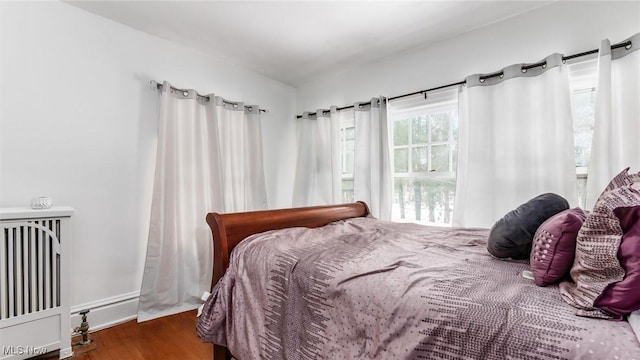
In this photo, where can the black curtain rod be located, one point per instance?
(206, 98)
(627, 45)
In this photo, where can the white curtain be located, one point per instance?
(616, 133)
(209, 158)
(515, 141)
(372, 174)
(318, 170)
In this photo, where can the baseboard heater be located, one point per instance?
(34, 282)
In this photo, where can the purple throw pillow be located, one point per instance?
(623, 297)
(554, 246)
(597, 263)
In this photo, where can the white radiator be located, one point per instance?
(34, 282)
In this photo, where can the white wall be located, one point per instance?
(78, 123)
(564, 27)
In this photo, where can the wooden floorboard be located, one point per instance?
(169, 337)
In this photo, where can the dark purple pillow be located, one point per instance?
(554, 246)
(623, 297)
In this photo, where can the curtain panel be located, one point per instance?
(515, 141)
(616, 143)
(209, 158)
(372, 173)
(318, 168)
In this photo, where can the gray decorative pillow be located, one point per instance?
(512, 235)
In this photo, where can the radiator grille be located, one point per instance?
(29, 267)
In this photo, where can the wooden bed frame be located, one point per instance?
(229, 229)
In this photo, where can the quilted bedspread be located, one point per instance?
(369, 289)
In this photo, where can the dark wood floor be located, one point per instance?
(170, 337)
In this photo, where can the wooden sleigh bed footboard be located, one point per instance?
(229, 229)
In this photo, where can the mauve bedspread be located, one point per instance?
(368, 289)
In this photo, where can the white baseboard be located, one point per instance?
(108, 312)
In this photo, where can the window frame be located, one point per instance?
(582, 78)
(445, 101)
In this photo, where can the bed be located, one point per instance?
(331, 282)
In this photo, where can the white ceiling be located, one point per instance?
(291, 41)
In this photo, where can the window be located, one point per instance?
(347, 139)
(582, 82)
(424, 148)
(424, 158)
